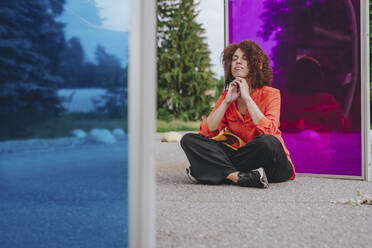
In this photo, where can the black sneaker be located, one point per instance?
(254, 178)
(190, 177)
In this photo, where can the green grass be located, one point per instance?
(61, 126)
(177, 125)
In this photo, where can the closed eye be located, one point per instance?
(236, 57)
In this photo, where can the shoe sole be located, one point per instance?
(190, 177)
(263, 177)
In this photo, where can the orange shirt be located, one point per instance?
(268, 101)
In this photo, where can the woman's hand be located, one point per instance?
(233, 92)
(244, 88)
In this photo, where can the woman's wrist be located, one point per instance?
(248, 101)
(226, 103)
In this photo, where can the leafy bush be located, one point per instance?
(164, 115)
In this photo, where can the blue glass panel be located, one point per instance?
(63, 123)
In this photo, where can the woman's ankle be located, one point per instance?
(233, 176)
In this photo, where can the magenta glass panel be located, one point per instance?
(314, 46)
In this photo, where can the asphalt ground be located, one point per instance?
(299, 213)
(64, 196)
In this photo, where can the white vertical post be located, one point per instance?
(142, 107)
(226, 17)
(364, 16)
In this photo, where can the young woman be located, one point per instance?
(240, 141)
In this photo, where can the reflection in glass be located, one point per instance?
(63, 128)
(314, 47)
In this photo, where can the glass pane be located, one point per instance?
(63, 128)
(315, 50)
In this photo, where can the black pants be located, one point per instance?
(211, 161)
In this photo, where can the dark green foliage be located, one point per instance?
(219, 86)
(77, 72)
(30, 43)
(73, 67)
(164, 115)
(115, 103)
(114, 78)
(184, 73)
(107, 73)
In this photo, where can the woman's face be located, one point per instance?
(239, 65)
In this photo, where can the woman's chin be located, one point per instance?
(241, 75)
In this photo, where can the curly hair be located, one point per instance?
(259, 63)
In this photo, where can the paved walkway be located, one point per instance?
(298, 213)
(64, 196)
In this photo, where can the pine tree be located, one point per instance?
(184, 74)
(72, 65)
(112, 77)
(30, 41)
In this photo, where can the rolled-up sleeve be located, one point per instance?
(204, 129)
(270, 123)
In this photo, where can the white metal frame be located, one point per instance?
(226, 16)
(142, 109)
(365, 103)
(365, 79)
